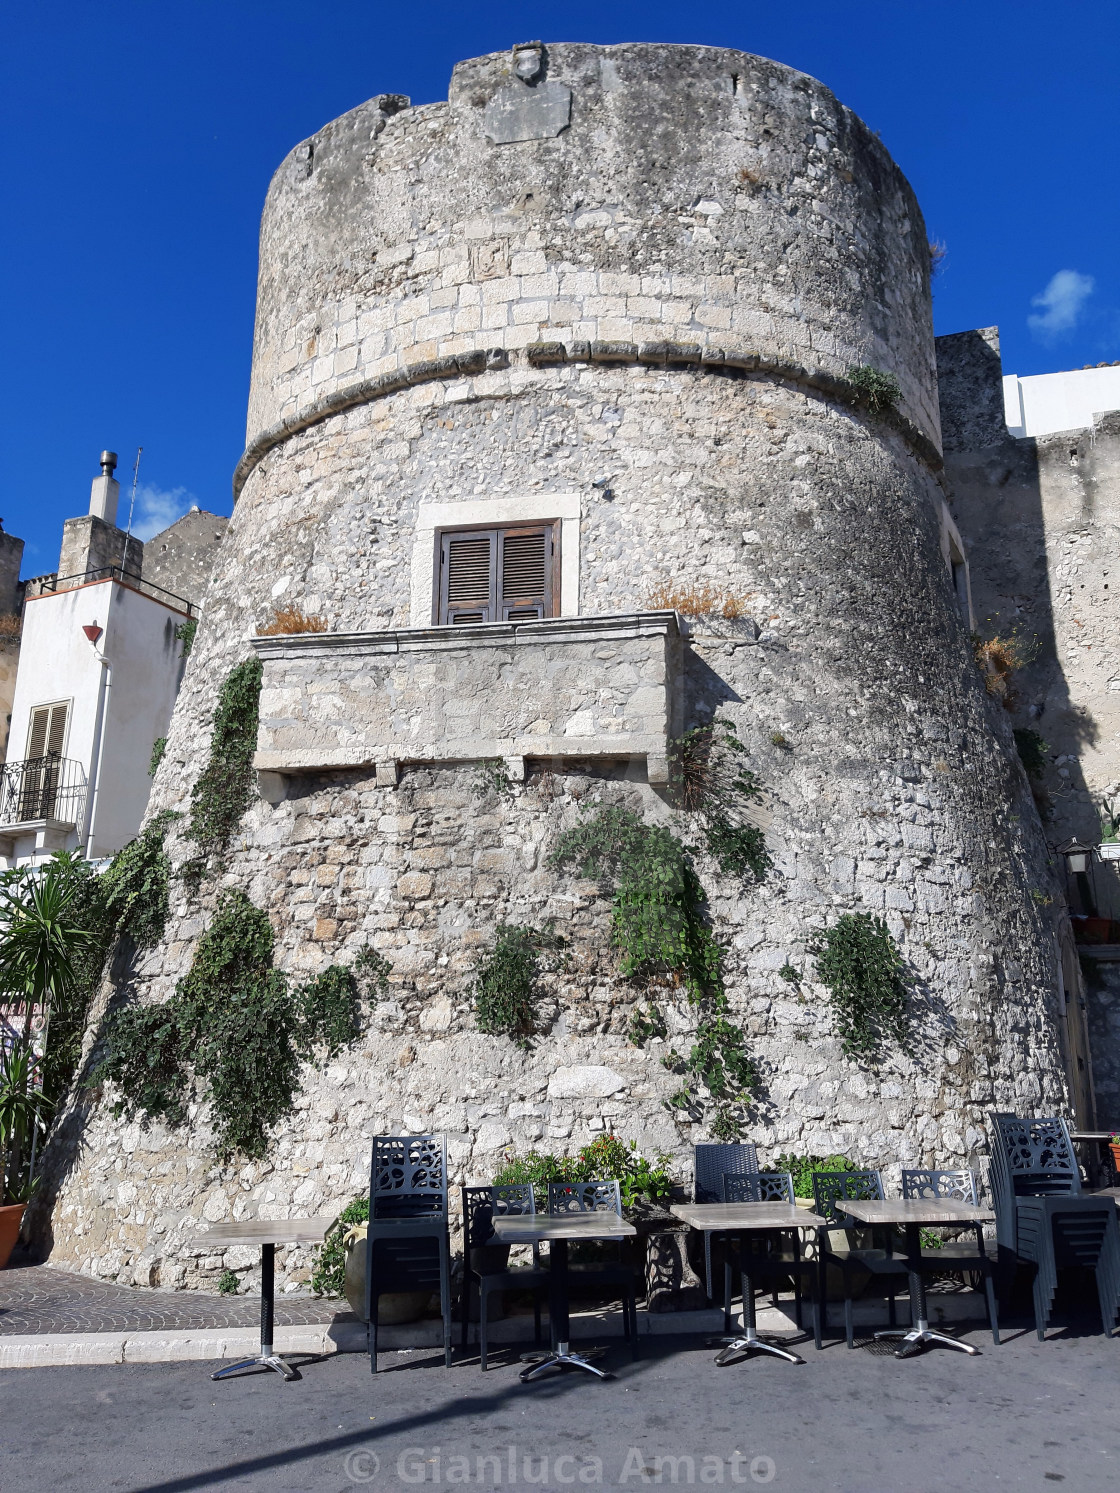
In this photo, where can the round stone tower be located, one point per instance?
(552, 420)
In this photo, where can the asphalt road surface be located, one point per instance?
(1023, 1416)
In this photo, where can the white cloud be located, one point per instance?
(1061, 304)
(156, 508)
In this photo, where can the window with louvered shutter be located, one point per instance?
(47, 732)
(497, 575)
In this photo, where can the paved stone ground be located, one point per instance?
(40, 1299)
(1023, 1416)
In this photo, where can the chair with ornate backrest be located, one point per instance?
(829, 1188)
(407, 1246)
(599, 1197)
(1044, 1218)
(481, 1205)
(711, 1163)
(771, 1259)
(959, 1256)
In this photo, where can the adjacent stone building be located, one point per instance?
(552, 421)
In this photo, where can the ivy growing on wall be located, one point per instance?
(225, 788)
(866, 975)
(507, 989)
(238, 1026)
(659, 926)
(714, 784)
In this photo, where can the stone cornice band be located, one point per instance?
(684, 356)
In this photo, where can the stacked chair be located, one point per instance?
(407, 1246)
(961, 1256)
(481, 1205)
(1043, 1217)
(829, 1188)
(599, 1197)
(711, 1164)
(771, 1261)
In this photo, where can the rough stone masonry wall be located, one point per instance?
(891, 783)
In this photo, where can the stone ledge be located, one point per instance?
(683, 357)
(575, 688)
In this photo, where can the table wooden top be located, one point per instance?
(264, 1231)
(747, 1216)
(914, 1210)
(533, 1228)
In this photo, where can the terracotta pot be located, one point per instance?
(394, 1306)
(10, 1219)
(1115, 1159)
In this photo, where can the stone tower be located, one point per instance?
(602, 304)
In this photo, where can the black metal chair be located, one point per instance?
(1044, 1218)
(711, 1162)
(959, 1256)
(881, 1260)
(599, 1197)
(407, 1246)
(771, 1259)
(480, 1206)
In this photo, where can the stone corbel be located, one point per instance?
(387, 774)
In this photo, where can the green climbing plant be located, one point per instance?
(714, 784)
(867, 980)
(237, 1026)
(660, 930)
(159, 746)
(225, 788)
(184, 635)
(507, 988)
(879, 391)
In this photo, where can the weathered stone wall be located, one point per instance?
(180, 559)
(1102, 999)
(1041, 519)
(891, 781)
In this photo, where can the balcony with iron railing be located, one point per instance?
(41, 791)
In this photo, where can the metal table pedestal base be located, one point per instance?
(561, 1357)
(262, 1361)
(921, 1335)
(735, 1349)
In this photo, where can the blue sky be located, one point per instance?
(140, 136)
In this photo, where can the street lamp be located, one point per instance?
(1077, 864)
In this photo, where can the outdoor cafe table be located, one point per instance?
(268, 1233)
(744, 1219)
(560, 1230)
(912, 1215)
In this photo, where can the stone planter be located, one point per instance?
(392, 1308)
(10, 1219)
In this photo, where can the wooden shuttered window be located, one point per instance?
(497, 575)
(47, 732)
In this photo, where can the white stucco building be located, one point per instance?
(101, 657)
(1045, 403)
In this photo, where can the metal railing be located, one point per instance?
(50, 787)
(49, 583)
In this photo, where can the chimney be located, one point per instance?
(105, 490)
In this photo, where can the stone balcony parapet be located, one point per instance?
(556, 688)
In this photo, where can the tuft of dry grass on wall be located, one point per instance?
(998, 659)
(938, 253)
(9, 629)
(291, 619)
(698, 601)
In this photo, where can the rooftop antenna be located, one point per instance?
(135, 476)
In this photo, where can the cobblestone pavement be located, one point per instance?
(38, 1299)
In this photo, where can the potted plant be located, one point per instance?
(1109, 848)
(1114, 1147)
(21, 1120)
